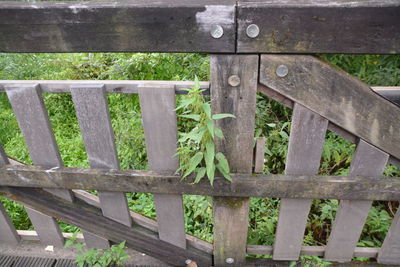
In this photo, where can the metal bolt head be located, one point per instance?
(234, 80)
(252, 31)
(282, 71)
(188, 261)
(229, 260)
(216, 31)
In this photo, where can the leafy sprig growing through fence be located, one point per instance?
(196, 149)
(114, 256)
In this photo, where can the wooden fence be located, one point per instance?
(322, 98)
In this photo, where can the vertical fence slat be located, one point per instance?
(390, 250)
(259, 152)
(8, 234)
(307, 136)
(33, 120)
(95, 124)
(351, 215)
(160, 128)
(231, 214)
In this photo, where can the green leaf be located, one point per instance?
(191, 116)
(194, 162)
(272, 125)
(226, 175)
(210, 127)
(185, 103)
(223, 161)
(222, 116)
(207, 109)
(200, 174)
(218, 132)
(209, 159)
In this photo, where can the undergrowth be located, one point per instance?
(272, 122)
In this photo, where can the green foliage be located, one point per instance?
(196, 148)
(114, 256)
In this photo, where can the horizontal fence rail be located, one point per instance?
(279, 185)
(223, 26)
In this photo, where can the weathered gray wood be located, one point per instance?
(111, 86)
(126, 26)
(259, 152)
(243, 185)
(337, 96)
(304, 26)
(390, 250)
(160, 129)
(307, 136)
(313, 251)
(282, 186)
(351, 215)
(145, 222)
(33, 120)
(8, 234)
(231, 214)
(90, 219)
(94, 120)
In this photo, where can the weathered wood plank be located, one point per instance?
(111, 86)
(167, 26)
(307, 137)
(231, 214)
(160, 129)
(313, 251)
(390, 250)
(337, 96)
(94, 120)
(319, 26)
(243, 185)
(34, 123)
(8, 234)
(259, 152)
(91, 219)
(351, 215)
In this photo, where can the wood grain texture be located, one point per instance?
(111, 86)
(94, 120)
(128, 26)
(307, 137)
(8, 234)
(351, 215)
(259, 153)
(337, 96)
(243, 185)
(160, 128)
(390, 250)
(32, 117)
(320, 26)
(91, 219)
(230, 235)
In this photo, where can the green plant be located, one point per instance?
(196, 149)
(114, 256)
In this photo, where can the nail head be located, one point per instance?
(252, 31)
(217, 31)
(234, 80)
(229, 260)
(282, 71)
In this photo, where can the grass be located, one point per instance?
(272, 121)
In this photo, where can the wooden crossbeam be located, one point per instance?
(337, 96)
(128, 26)
(91, 219)
(250, 185)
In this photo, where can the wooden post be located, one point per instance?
(231, 214)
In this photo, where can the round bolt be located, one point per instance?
(252, 31)
(229, 260)
(188, 261)
(234, 80)
(282, 71)
(217, 31)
